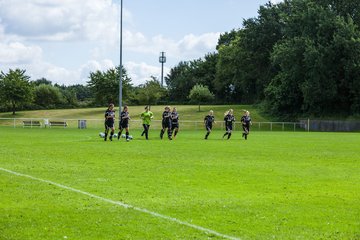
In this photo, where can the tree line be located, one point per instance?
(18, 92)
(298, 57)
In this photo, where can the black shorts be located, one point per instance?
(208, 127)
(246, 127)
(174, 125)
(109, 124)
(123, 125)
(166, 125)
(229, 127)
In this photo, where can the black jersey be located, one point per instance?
(209, 120)
(245, 120)
(229, 119)
(166, 117)
(175, 118)
(124, 118)
(109, 116)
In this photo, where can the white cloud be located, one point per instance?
(190, 46)
(60, 20)
(276, 1)
(16, 52)
(199, 44)
(26, 25)
(142, 72)
(92, 66)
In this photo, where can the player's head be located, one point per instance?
(211, 112)
(125, 108)
(247, 113)
(147, 108)
(231, 111)
(167, 108)
(111, 106)
(174, 109)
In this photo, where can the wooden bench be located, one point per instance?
(31, 124)
(57, 123)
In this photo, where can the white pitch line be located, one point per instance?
(124, 205)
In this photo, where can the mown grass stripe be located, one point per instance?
(124, 205)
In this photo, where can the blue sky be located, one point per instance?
(64, 40)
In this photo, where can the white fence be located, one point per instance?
(134, 124)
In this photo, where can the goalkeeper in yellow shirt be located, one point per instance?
(146, 116)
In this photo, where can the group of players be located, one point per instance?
(170, 123)
(229, 119)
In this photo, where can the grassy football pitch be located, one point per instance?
(70, 184)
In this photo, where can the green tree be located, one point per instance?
(179, 82)
(42, 81)
(226, 68)
(151, 92)
(47, 96)
(185, 75)
(15, 89)
(200, 94)
(318, 64)
(82, 92)
(105, 86)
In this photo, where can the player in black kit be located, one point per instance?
(208, 121)
(166, 123)
(174, 122)
(246, 122)
(109, 121)
(229, 119)
(124, 123)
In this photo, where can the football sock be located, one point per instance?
(207, 134)
(120, 132)
(162, 133)
(111, 135)
(229, 136)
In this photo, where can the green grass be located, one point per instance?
(276, 185)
